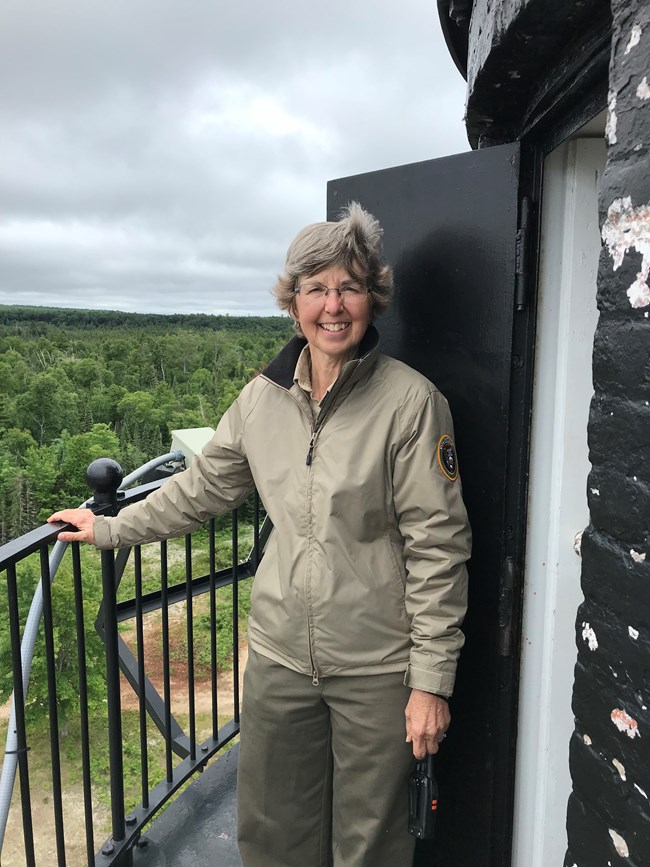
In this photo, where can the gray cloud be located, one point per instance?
(161, 155)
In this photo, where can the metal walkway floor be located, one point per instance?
(199, 828)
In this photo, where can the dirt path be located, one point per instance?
(179, 690)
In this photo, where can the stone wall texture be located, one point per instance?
(608, 816)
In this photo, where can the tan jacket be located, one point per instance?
(365, 569)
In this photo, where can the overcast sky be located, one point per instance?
(159, 155)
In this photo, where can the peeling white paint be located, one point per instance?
(643, 90)
(638, 147)
(635, 38)
(638, 558)
(610, 126)
(625, 723)
(639, 789)
(628, 228)
(619, 844)
(633, 633)
(595, 492)
(589, 636)
(619, 767)
(577, 542)
(587, 740)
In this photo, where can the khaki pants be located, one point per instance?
(323, 770)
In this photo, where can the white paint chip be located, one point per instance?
(619, 844)
(589, 636)
(577, 542)
(595, 492)
(638, 558)
(633, 633)
(643, 90)
(635, 38)
(625, 723)
(587, 740)
(639, 789)
(619, 767)
(610, 127)
(628, 228)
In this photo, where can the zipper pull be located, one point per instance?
(310, 453)
(314, 678)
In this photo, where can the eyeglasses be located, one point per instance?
(348, 292)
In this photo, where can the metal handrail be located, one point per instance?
(125, 829)
(12, 553)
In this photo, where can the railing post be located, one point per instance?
(104, 477)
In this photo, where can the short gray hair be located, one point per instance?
(354, 241)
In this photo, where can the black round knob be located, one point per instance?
(104, 476)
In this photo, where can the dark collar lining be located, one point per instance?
(283, 367)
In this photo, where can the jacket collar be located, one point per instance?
(283, 367)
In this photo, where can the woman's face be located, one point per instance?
(334, 323)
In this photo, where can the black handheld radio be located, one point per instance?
(423, 800)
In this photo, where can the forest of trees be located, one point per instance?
(76, 385)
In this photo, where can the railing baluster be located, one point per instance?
(139, 631)
(235, 614)
(189, 620)
(83, 702)
(165, 649)
(213, 630)
(19, 702)
(48, 627)
(256, 530)
(113, 696)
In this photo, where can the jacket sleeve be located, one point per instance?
(218, 481)
(437, 542)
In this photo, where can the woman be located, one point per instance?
(358, 601)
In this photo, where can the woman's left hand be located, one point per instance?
(427, 721)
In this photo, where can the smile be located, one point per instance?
(334, 326)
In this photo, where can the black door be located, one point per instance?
(450, 228)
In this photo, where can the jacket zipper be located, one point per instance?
(310, 452)
(310, 456)
(315, 430)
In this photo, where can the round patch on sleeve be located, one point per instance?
(447, 457)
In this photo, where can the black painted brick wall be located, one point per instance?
(610, 769)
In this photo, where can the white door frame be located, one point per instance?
(557, 505)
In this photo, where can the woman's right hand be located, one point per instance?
(83, 519)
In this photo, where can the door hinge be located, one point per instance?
(521, 255)
(506, 592)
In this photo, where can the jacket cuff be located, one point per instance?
(102, 533)
(438, 682)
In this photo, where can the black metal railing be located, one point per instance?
(127, 820)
